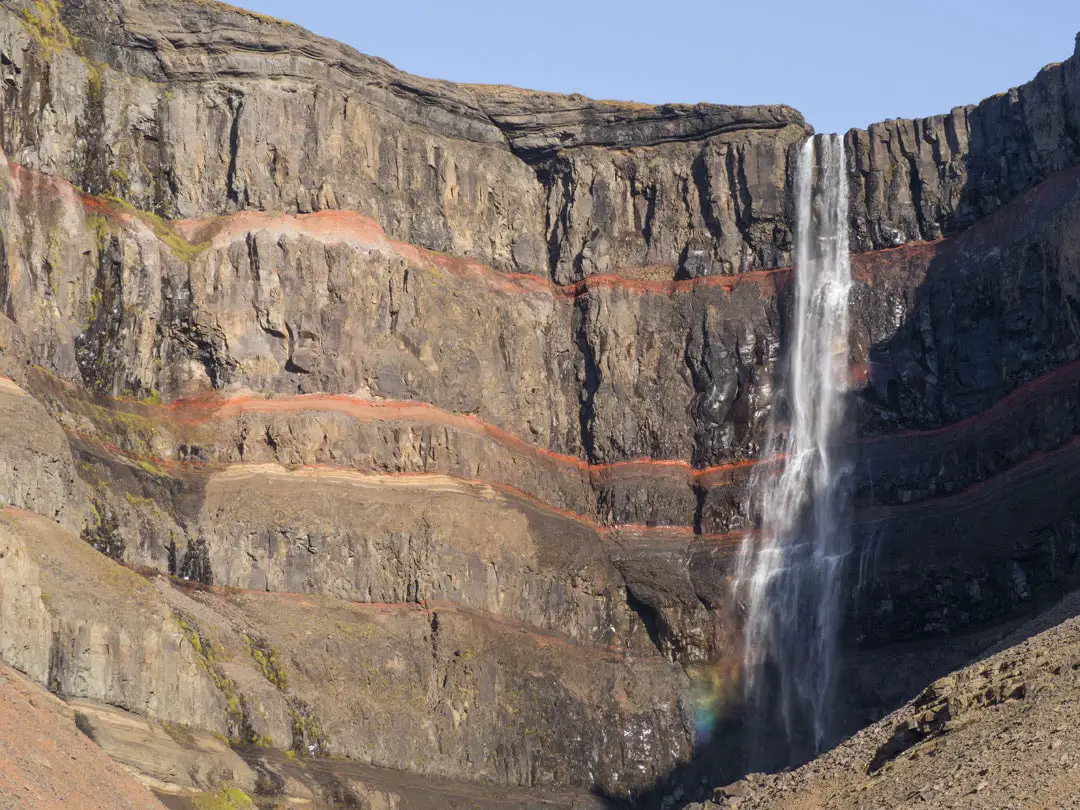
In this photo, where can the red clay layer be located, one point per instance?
(329, 471)
(876, 513)
(346, 226)
(356, 228)
(204, 409)
(1023, 396)
(624, 534)
(351, 226)
(208, 408)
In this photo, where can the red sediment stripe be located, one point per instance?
(647, 532)
(205, 408)
(729, 540)
(868, 267)
(344, 225)
(193, 411)
(720, 475)
(427, 607)
(509, 491)
(876, 514)
(1026, 394)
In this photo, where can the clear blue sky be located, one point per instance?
(842, 63)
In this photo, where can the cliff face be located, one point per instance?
(924, 179)
(449, 396)
(172, 108)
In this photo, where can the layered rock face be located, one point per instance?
(448, 398)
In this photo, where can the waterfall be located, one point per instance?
(789, 574)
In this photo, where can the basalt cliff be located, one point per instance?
(374, 441)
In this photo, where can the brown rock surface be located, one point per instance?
(47, 764)
(178, 117)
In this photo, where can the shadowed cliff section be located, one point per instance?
(926, 178)
(982, 366)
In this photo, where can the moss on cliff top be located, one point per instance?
(163, 229)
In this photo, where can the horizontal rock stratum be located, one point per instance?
(360, 415)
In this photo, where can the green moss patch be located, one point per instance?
(308, 735)
(266, 658)
(177, 244)
(103, 531)
(42, 21)
(210, 655)
(226, 799)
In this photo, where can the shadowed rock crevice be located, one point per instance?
(591, 376)
(96, 349)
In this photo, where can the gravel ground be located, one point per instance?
(1001, 733)
(46, 763)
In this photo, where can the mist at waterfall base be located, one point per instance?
(789, 575)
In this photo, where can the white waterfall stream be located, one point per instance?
(789, 574)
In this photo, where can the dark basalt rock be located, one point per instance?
(925, 178)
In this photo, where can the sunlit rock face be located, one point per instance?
(441, 404)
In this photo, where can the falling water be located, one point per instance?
(789, 575)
